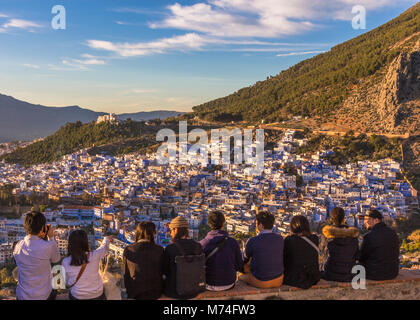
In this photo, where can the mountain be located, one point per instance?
(370, 83)
(20, 120)
(159, 114)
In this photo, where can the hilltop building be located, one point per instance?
(113, 118)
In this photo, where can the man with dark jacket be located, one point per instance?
(380, 249)
(222, 266)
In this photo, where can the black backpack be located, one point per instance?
(190, 273)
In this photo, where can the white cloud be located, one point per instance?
(187, 42)
(136, 11)
(77, 64)
(298, 53)
(21, 24)
(196, 42)
(181, 102)
(2, 15)
(138, 91)
(216, 21)
(229, 25)
(89, 62)
(71, 63)
(31, 66)
(261, 18)
(144, 91)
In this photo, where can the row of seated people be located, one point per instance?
(267, 261)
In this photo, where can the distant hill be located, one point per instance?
(76, 136)
(158, 114)
(20, 120)
(110, 138)
(370, 83)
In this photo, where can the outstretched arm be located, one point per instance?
(104, 247)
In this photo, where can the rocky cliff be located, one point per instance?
(387, 102)
(399, 94)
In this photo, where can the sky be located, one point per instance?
(143, 55)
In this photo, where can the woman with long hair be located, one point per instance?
(301, 268)
(143, 264)
(82, 267)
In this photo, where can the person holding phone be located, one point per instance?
(34, 256)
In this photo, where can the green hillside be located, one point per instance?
(112, 138)
(75, 136)
(318, 85)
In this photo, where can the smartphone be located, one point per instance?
(46, 229)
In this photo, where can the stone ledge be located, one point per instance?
(244, 291)
(405, 286)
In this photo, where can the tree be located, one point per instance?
(43, 207)
(414, 236)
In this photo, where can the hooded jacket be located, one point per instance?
(343, 251)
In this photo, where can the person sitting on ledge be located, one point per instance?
(33, 256)
(342, 246)
(180, 245)
(380, 249)
(226, 256)
(143, 265)
(263, 256)
(301, 267)
(82, 267)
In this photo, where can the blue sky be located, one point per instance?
(142, 55)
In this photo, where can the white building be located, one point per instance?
(5, 252)
(108, 118)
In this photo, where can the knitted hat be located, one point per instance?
(178, 222)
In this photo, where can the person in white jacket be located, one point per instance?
(82, 267)
(34, 256)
